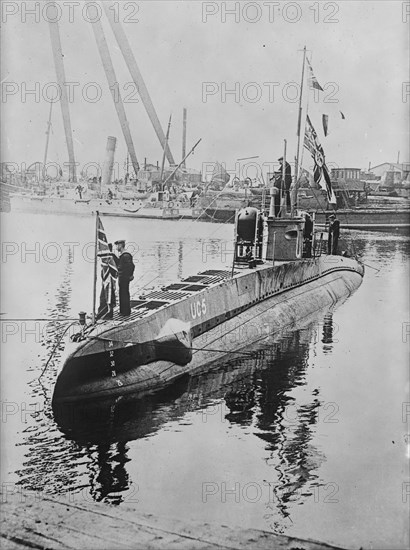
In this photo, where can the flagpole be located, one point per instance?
(47, 141)
(303, 149)
(300, 116)
(95, 266)
(164, 153)
(235, 237)
(283, 186)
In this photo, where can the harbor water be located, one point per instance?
(306, 434)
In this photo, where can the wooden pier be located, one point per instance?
(46, 522)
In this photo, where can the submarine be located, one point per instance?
(134, 416)
(281, 273)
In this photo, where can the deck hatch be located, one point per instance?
(137, 303)
(195, 288)
(175, 286)
(213, 276)
(193, 279)
(155, 304)
(211, 280)
(165, 295)
(219, 273)
(135, 314)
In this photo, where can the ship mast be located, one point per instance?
(128, 168)
(47, 140)
(282, 186)
(164, 153)
(297, 167)
(95, 267)
(184, 116)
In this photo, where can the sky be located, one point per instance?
(191, 54)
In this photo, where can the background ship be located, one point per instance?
(356, 207)
(76, 194)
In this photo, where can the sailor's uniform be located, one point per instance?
(125, 274)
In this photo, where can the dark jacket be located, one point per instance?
(334, 228)
(288, 176)
(277, 178)
(125, 267)
(308, 229)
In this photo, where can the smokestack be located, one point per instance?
(184, 135)
(109, 161)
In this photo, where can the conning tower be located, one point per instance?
(249, 237)
(288, 238)
(285, 239)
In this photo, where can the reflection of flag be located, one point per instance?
(320, 172)
(325, 122)
(109, 270)
(313, 83)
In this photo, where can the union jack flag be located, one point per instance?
(109, 270)
(320, 171)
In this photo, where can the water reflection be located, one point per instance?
(159, 263)
(380, 248)
(107, 473)
(50, 461)
(270, 402)
(286, 425)
(255, 392)
(327, 337)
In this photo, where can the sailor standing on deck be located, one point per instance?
(308, 236)
(279, 184)
(334, 232)
(125, 276)
(288, 180)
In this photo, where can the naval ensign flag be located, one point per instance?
(320, 171)
(313, 82)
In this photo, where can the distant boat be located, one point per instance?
(394, 218)
(55, 204)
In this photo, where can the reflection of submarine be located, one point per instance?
(195, 322)
(132, 416)
(109, 478)
(254, 391)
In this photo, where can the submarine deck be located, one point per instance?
(173, 293)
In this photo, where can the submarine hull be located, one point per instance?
(146, 354)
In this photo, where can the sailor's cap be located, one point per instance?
(121, 241)
(280, 158)
(332, 216)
